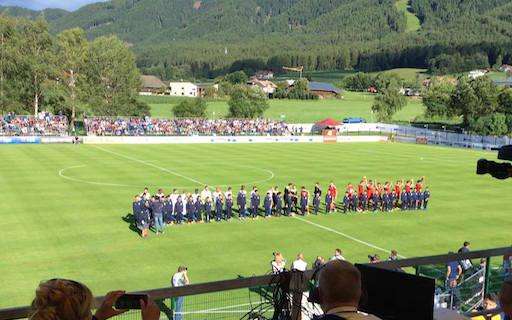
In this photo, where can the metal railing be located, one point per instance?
(259, 284)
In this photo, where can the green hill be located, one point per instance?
(204, 38)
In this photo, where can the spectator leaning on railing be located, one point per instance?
(60, 299)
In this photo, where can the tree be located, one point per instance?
(237, 77)
(505, 101)
(71, 50)
(473, 98)
(437, 98)
(112, 80)
(37, 59)
(358, 82)
(387, 103)
(494, 124)
(247, 103)
(190, 108)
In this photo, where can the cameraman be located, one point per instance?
(179, 279)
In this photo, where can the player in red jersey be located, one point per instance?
(387, 187)
(350, 190)
(408, 186)
(419, 185)
(333, 192)
(360, 188)
(370, 190)
(398, 191)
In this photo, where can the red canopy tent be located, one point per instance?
(329, 122)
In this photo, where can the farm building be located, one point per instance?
(152, 85)
(323, 89)
(184, 89)
(266, 86)
(264, 75)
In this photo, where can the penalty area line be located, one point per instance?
(150, 165)
(346, 236)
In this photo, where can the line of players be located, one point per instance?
(204, 206)
(386, 197)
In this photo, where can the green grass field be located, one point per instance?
(63, 207)
(413, 23)
(354, 104)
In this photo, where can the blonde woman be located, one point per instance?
(58, 299)
(278, 263)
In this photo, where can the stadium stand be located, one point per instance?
(44, 124)
(99, 126)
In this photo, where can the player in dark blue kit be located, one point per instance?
(157, 208)
(316, 203)
(139, 216)
(385, 202)
(197, 206)
(178, 210)
(375, 201)
(229, 204)
(328, 202)
(405, 200)
(288, 201)
(363, 201)
(267, 204)
(426, 197)
(346, 202)
(278, 204)
(241, 201)
(413, 200)
(207, 209)
(353, 202)
(190, 208)
(255, 202)
(304, 201)
(219, 205)
(419, 202)
(168, 206)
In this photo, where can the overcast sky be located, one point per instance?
(42, 4)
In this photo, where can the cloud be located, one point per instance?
(43, 4)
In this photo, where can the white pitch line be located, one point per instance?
(219, 309)
(151, 165)
(346, 236)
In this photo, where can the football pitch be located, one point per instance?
(63, 210)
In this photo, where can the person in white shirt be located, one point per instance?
(278, 263)
(299, 264)
(174, 199)
(338, 255)
(216, 194)
(179, 279)
(206, 193)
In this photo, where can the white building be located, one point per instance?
(477, 74)
(183, 89)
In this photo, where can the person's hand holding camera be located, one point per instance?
(149, 310)
(106, 310)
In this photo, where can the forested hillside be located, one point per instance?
(181, 38)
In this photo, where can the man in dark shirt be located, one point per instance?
(241, 201)
(267, 204)
(157, 208)
(426, 197)
(255, 202)
(453, 272)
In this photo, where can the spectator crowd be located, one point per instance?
(98, 126)
(44, 124)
